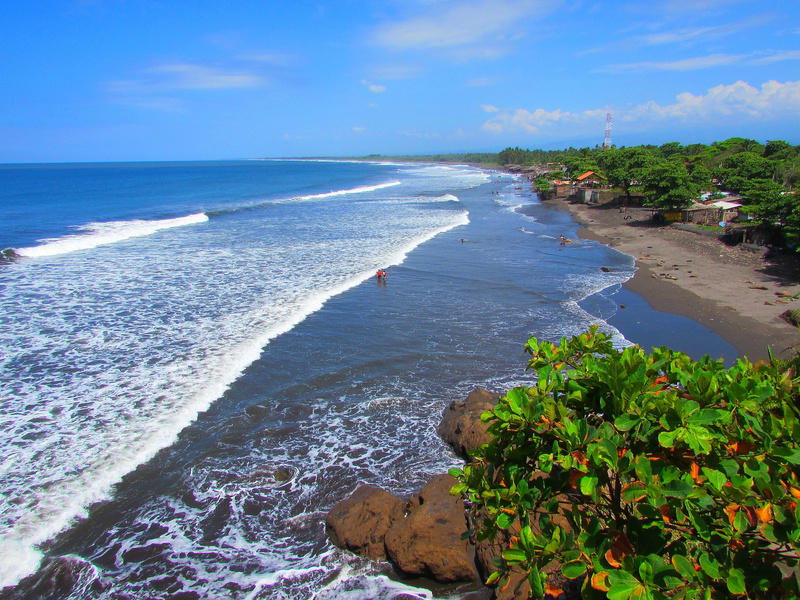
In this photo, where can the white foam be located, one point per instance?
(98, 234)
(357, 190)
(148, 358)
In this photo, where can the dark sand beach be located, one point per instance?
(732, 291)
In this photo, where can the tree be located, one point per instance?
(671, 148)
(776, 146)
(626, 169)
(678, 479)
(667, 185)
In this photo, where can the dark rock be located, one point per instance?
(428, 541)
(461, 425)
(8, 256)
(58, 578)
(143, 553)
(215, 523)
(360, 522)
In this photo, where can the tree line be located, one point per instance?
(673, 176)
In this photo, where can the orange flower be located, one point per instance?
(695, 471)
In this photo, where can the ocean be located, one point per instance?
(197, 360)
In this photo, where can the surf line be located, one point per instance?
(98, 234)
(357, 190)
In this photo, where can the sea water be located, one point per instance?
(197, 360)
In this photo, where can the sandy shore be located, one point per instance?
(730, 290)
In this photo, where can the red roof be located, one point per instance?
(585, 175)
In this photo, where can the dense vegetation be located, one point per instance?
(672, 176)
(644, 475)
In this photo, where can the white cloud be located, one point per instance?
(702, 62)
(461, 24)
(359, 129)
(790, 55)
(690, 6)
(740, 100)
(533, 122)
(186, 76)
(482, 81)
(273, 59)
(489, 108)
(394, 72)
(686, 64)
(374, 88)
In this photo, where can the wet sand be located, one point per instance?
(730, 290)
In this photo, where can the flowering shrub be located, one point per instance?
(672, 478)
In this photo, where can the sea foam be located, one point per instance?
(97, 234)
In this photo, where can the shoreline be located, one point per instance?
(729, 290)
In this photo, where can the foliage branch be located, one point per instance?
(672, 478)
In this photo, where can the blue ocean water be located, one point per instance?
(197, 361)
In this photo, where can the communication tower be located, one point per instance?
(607, 141)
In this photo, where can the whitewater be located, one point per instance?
(196, 360)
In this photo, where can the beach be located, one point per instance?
(732, 291)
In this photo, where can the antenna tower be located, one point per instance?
(609, 124)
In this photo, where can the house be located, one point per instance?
(722, 211)
(590, 179)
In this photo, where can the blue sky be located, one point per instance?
(106, 80)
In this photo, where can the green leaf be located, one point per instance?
(526, 539)
(517, 398)
(512, 555)
(790, 455)
(504, 520)
(535, 579)
(677, 489)
(493, 578)
(683, 566)
(643, 469)
(588, 484)
(623, 585)
(735, 581)
(634, 492)
(573, 569)
(626, 422)
(710, 566)
(715, 478)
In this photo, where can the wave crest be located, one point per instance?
(98, 234)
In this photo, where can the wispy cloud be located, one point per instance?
(482, 81)
(773, 100)
(186, 76)
(695, 5)
(703, 62)
(686, 64)
(463, 25)
(393, 72)
(790, 55)
(374, 88)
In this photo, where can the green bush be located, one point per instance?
(676, 478)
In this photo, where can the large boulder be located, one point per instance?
(461, 425)
(360, 522)
(427, 542)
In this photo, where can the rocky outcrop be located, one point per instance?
(359, 523)
(422, 537)
(428, 541)
(461, 425)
